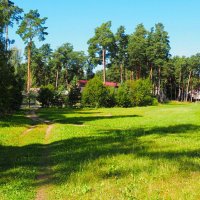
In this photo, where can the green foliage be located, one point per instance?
(67, 63)
(121, 40)
(102, 40)
(40, 65)
(95, 94)
(10, 12)
(123, 95)
(135, 93)
(10, 84)
(74, 96)
(32, 26)
(46, 95)
(141, 93)
(137, 48)
(110, 100)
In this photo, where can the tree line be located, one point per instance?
(10, 82)
(143, 54)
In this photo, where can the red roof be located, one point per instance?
(82, 81)
(110, 84)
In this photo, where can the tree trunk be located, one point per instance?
(125, 74)
(56, 79)
(179, 87)
(183, 92)
(6, 37)
(175, 92)
(29, 68)
(104, 66)
(139, 72)
(132, 74)
(67, 77)
(191, 93)
(121, 73)
(171, 88)
(151, 72)
(188, 85)
(159, 82)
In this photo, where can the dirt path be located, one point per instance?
(44, 177)
(31, 115)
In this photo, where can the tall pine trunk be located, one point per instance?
(67, 77)
(183, 92)
(179, 87)
(171, 88)
(188, 85)
(132, 74)
(29, 82)
(151, 72)
(104, 65)
(121, 73)
(56, 79)
(139, 72)
(159, 82)
(7, 37)
(125, 74)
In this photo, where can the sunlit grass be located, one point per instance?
(19, 157)
(117, 153)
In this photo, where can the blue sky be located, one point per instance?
(74, 21)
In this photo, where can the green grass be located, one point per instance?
(19, 157)
(117, 153)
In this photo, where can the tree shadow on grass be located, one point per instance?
(58, 116)
(63, 118)
(67, 157)
(82, 119)
(159, 131)
(16, 120)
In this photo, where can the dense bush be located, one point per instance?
(141, 93)
(95, 94)
(49, 96)
(135, 93)
(46, 95)
(74, 96)
(123, 98)
(110, 100)
(10, 85)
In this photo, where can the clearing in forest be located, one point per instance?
(114, 153)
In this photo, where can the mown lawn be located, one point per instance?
(117, 153)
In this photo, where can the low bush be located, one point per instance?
(135, 93)
(95, 94)
(46, 95)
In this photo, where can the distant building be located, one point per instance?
(195, 95)
(82, 84)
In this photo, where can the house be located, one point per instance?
(195, 95)
(82, 84)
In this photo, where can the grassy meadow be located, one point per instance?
(108, 153)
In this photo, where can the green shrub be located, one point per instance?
(155, 102)
(74, 96)
(10, 85)
(110, 100)
(141, 93)
(95, 94)
(123, 95)
(46, 95)
(135, 93)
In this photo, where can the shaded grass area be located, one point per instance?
(19, 159)
(138, 153)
